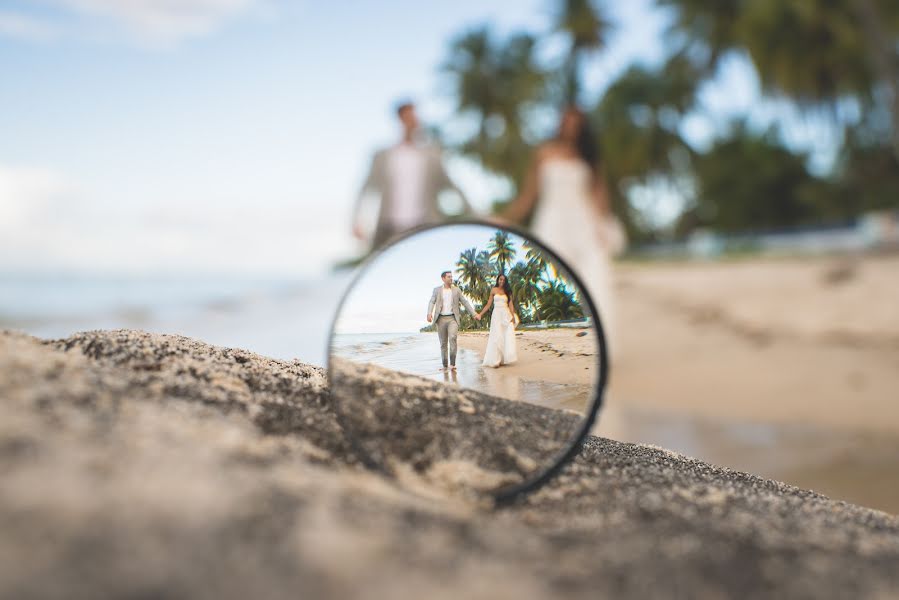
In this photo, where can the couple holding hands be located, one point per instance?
(444, 311)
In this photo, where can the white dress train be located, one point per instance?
(565, 220)
(501, 340)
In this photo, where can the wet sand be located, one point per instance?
(557, 355)
(557, 364)
(785, 367)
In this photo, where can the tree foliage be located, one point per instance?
(818, 55)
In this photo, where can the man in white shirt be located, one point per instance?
(409, 177)
(443, 310)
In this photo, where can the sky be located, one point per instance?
(231, 136)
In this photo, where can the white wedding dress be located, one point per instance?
(567, 223)
(501, 340)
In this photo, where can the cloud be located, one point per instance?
(25, 27)
(51, 222)
(26, 193)
(153, 22)
(165, 20)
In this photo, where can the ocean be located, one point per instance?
(283, 318)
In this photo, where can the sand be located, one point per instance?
(555, 367)
(140, 465)
(811, 341)
(789, 341)
(785, 367)
(555, 355)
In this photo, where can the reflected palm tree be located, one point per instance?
(539, 291)
(557, 302)
(524, 280)
(501, 250)
(468, 270)
(535, 258)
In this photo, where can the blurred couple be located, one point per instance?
(444, 310)
(564, 195)
(409, 177)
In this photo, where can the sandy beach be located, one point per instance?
(793, 341)
(549, 356)
(557, 355)
(788, 341)
(786, 367)
(135, 463)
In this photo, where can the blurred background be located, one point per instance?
(192, 168)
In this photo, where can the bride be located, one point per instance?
(501, 341)
(565, 191)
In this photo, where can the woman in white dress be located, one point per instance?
(566, 193)
(501, 340)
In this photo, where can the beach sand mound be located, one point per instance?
(158, 466)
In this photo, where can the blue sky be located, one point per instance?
(231, 136)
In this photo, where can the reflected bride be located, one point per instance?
(501, 340)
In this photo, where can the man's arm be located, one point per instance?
(448, 184)
(372, 183)
(431, 305)
(468, 305)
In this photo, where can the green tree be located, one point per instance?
(866, 178)
(814, 52)
(638, 119)
(557, 303)
(470, 273)
(749, 181)
(501, 249)
(535, 258)
(495, 82)
(525, 279)
(587, 30)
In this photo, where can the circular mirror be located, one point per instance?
(467, 358)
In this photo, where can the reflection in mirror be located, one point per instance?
(466, 358)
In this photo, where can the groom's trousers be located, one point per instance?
(447, 329)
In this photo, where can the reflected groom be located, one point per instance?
(444, 308)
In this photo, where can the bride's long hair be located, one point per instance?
(507, 288)
(585, 140)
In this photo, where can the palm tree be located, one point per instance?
(814, 52)
(524, 280)
(495, 82)
(878, 21)
(469, 271)
(705, 30)
(639, 116)
(587, 30)
(558, 303)
(535, 257)
(501, 249)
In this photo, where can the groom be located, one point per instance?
(444, 307)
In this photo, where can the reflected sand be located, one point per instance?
(416, 354)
